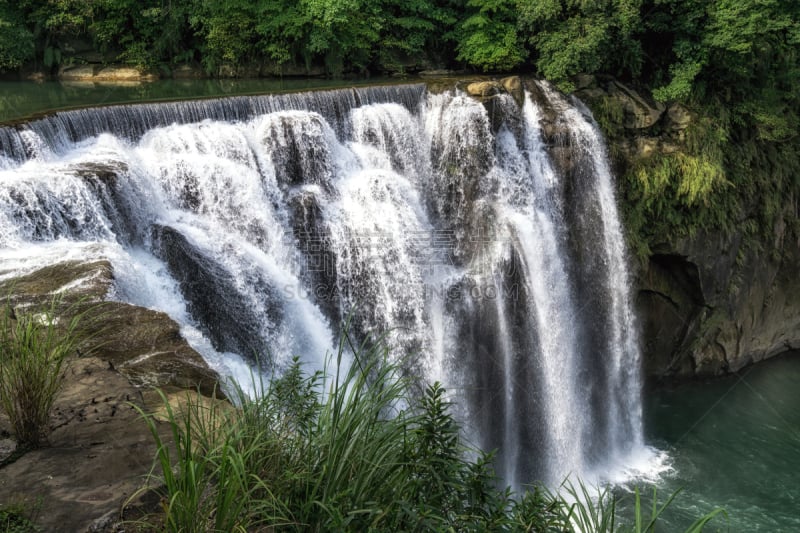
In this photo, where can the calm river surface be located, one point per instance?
(735, 444)
(24, 99)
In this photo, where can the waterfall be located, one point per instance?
(455, 229)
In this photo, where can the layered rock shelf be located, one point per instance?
(99, 451)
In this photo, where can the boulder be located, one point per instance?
(584, 82)
(591, 94)
(159, 403)
(110, 74)
(106, 171)
(639, 112)
(74, 280)
(142, 344)
(641, 147)
(76, 73)
(120, 73)
(678, 117)
(484, 88)
(146, 346)
(513, 86)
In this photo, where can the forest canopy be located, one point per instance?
(674, 47)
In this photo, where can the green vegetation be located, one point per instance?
(16, 41)
(718, 177)
(349, 450)
(488, 38)
(33, 348)
(338, 35)
(571, 37)
(735, 64)
(676, 194)
(19, 518)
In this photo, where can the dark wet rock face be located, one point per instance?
(298, 149)
(314, 242)
(212, 294)
(708, 304)
(702, 314)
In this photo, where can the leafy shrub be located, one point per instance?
(349, 450)
(17, 518)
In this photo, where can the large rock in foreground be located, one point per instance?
(144, 345)
(99, 455)
(101, 450)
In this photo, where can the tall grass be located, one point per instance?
(585, 510)
(33, 348)
(208, 490)
(349, 449)
(594, 510)
(18, 517)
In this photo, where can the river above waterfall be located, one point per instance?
(25, 99)
(734, 443)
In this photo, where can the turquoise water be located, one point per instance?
(24, 99)
(734, 443)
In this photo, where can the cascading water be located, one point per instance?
(440, 222)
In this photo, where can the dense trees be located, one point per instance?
(16, 41)
(573, 36)
(340, 35)
(488, 37)
(676, 47)
(734, 64)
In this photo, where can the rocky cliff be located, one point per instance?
(710, 302)
(144, 345)
(705, 313)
